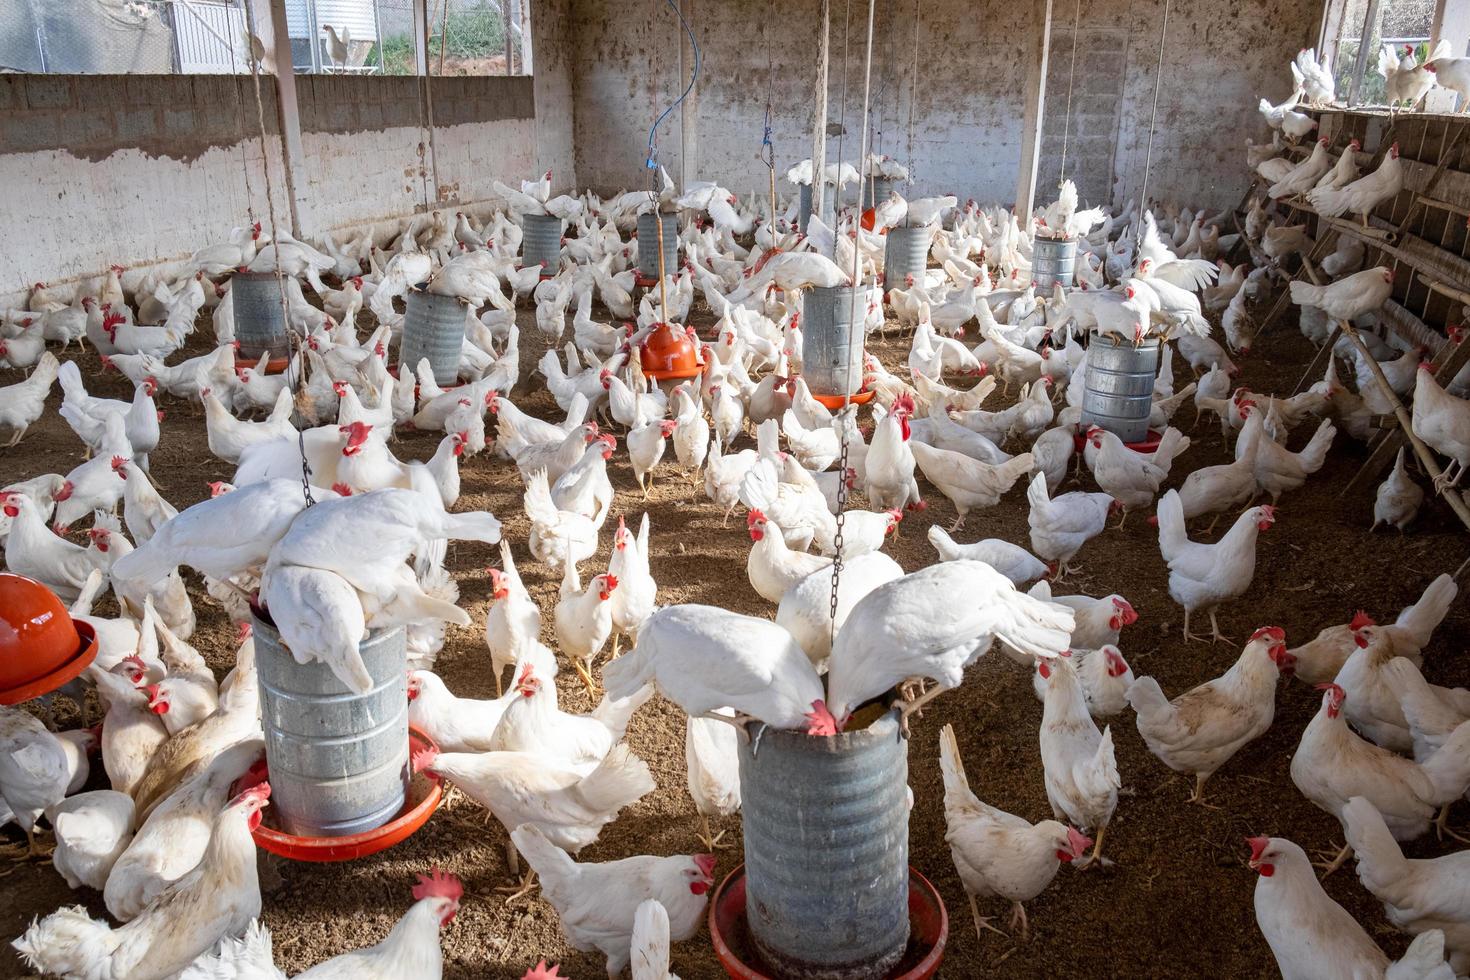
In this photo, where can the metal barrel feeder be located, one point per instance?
(1118, 386)
(1053, 261)
(804, 211)
(670, 352)
(648, 241)
(260, 322)
(433, 327)
(338, 760)
(832, 344)
(905, 253)
(826, 828)
(876, 191)
(541, 242)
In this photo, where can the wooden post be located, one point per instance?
(270, 27)
(819, 107)
(689, 109)
(1035, 112)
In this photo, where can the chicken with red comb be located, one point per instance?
(1318, 660)
(598, 903)
(998, 854)
(1200, 730)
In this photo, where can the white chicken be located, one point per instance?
(1201, 729)
(1081, 772)
(1202, 576)
(997, 853)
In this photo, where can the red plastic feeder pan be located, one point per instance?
(1146, 446)
(670, 354)
(928, 931)
(41, 646)
(424, 795)
(838, 401)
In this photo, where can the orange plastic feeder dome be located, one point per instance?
(41, 646)
(424, 795)
(835, 402)
(928, 931)
(670, 353)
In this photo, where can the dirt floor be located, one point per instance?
(1177, 903)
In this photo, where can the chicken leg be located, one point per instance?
(1337, 862)
(1442, 826)
(910, 707)
(1018, 919)
(32, 851)
(981, 921)
(1199, 791)
(710, 843)
(1215, 635)
(1187, 634)
(1095, 858)
(586, 676)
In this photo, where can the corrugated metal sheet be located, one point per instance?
(304, 18)
(210, 38)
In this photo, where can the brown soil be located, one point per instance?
(1177, 903)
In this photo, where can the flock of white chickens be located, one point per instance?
(170, 849)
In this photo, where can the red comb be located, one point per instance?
(1361, 620)
(438, 884)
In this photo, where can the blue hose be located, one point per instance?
(652, 163)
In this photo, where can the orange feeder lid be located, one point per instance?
(671, 353)
(424, 795)
(41, 646)
(837, 401)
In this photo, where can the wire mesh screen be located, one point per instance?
(466, 37)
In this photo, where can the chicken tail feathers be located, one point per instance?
(1423, 960)
(69, 943)
(473, 526)
(621, 779)
(1448, 768)
(956, 783)
(651, 941)
(1380, 860)
(237, 959)
(1148, 701)
(624, 677)
(615, 713)
(554, 865)
(1314, 454)
(1170, 512)
(1424, 616)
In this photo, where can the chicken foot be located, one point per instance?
(32, 851)
(1095, 858)
(911, 707)
(981, 921)
(1215, 635)
(1330, 866)
(711, 843)
(526, 886)
(1198, 796)
(1018, 919)
(586, 676)
(1442, 826)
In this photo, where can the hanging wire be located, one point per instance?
(767, 153)
(818, 180)
(295, 363)
(652, 161)
(1071, 76)
(913, 95)
(854, 324)
(1153, 116)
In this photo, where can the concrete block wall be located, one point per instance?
(969, 100)
(552, 42)
(1218, 61)
(143, 169)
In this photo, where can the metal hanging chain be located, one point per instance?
(293, 365)
(1071, 77)
(1148, 160)
(860, 326)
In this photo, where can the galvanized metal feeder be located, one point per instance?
(1053, 262)
(804, 209)
(338, 761)
(260, 322)
(905, 253)
(826, 827)
(433, 327)
(658, 246)
(832, 345)
(1118, 386)
(541, 242)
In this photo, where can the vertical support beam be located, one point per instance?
(1370, 17)
(420, 37)
(421, 62)
(819, 106)
(505, 30)
(527, 52)
(1452, 22)
(270, 27)
(689, 109)
(1035, 114)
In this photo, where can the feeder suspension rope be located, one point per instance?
(1148, 159)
